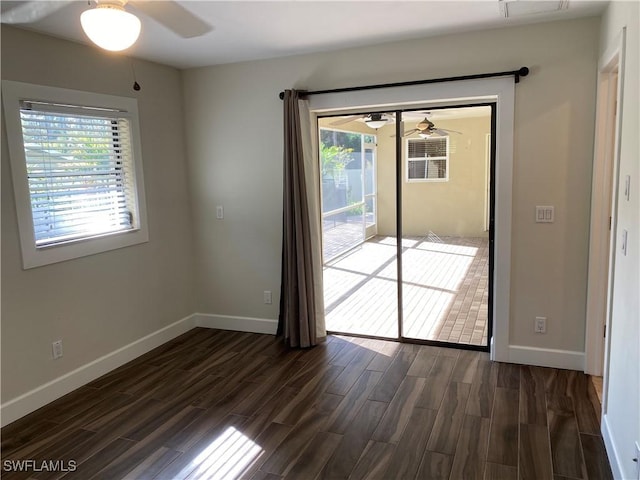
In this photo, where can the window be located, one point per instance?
(75, 160)
(428, 159)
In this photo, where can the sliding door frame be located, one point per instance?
(497, 91)
(399, 232)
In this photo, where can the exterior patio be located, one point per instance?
(445, 289)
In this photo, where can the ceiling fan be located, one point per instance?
(426, 128)
(373, 120)
(109, 24)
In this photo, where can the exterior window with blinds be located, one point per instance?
(428, 159)
(79, 168)
(77, 171)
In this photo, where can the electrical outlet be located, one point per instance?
(540, 325)
(57, 349)
(267, 297)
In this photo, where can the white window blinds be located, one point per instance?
(80, 171)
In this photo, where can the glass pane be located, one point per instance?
(360, 286)
(437, 168)
(417, 169)
(445, 242)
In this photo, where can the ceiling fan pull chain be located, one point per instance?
(136, 85)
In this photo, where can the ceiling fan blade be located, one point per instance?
(438, 132)
(449, 131)
(342, 121)
(29, 12)
(408, 132)
(175, 17)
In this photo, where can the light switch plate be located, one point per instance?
(219, 212)
(545, 214)
(627, 187)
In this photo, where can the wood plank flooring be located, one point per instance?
(214, 404)
(445, 289)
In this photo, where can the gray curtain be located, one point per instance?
(298, 303)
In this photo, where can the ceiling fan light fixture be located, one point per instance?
(110, 26)
(376, 123)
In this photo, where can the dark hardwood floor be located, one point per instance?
(215, 404)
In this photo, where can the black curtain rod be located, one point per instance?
(521, 72)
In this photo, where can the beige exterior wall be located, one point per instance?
(455, 207)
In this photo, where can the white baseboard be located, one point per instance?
(612, 451)
(546, 357)
(239, 324)
(28, 402)
(50, 391)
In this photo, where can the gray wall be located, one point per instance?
(239, 257)
(103, 302)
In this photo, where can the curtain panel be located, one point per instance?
(301, 319)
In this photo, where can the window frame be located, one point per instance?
(13, 93)
(426, 159)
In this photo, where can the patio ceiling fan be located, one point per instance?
(373, 120)
(110, 21)
(426, 128)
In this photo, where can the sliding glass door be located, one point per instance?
(360, 286)
(406, 240)
(445, 261)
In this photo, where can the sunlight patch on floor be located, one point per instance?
(366, 258)
(444, 289)
(226, 457)
(367, 311)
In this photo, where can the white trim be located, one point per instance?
(447, 94)
(546, 357)
(602, 260)
(603, 200)
(238, 324)
(610, 446)
(50, 391)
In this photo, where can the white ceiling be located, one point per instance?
(250, 30)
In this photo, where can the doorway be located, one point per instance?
(602, 240)
(423, 273)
